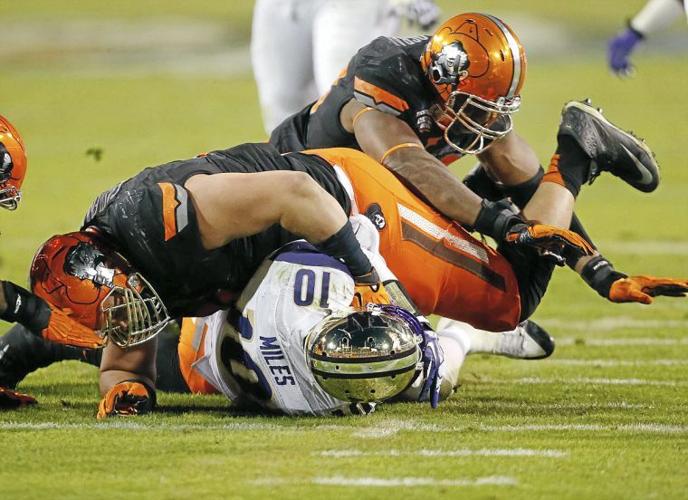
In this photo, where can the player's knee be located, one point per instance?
(300, 186)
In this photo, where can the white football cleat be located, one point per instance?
(527, 341)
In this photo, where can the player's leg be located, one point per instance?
(191, 348)
(340, 28)
(281, 56)
(527, 341)
(23, 352)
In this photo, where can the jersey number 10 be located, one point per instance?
(304, 288)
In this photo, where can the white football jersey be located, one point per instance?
(265, 360)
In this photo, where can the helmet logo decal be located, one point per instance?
(87, 263)
(451, 64)
(5, 163)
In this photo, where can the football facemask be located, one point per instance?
(97, 287)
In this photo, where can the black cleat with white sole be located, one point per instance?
(609, 148)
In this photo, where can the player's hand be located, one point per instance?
(65, 330)
(423, 13)
(619, 50)
(126, 399)
(432, 359)
(556, 242)
(368, 289)
(10, 399)
(643, 288)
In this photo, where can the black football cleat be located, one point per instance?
(609, 148)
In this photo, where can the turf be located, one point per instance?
(605, 417)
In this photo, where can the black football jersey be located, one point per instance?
(193, 281)
(386, 75)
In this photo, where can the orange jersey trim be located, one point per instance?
(380, 98)
(169, 207)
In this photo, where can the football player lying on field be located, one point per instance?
(163, 239)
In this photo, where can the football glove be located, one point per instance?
(65, 330)
(600, 274)
(128, 398)
(560, 244)
(423, 13)
(643, 288)
(432, 359)
(10, 399)
(368, 289)
(619, 51)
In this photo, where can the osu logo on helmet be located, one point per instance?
(477, 66)
(12, 165)
(96, 286)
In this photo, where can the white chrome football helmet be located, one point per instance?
(365, 356)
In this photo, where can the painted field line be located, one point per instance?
(409, 482)
(464, 452)
(563, 406)
(619, 362)
(394, 426)
(587, 381)
(621, 342)
(650, 428)
(609, 323)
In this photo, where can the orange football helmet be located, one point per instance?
(477, 65)
(12, 164)
(79, 274)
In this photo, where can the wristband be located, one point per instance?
(344, 246)
(25, 308)
(599, 274)
(496, 218)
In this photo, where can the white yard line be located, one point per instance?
(621, 342)
(608, 363)
(587, 381)
(392, 426)
(409, 482)
(464, 452)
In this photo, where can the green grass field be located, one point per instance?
(605, 417)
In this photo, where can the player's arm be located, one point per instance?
(601, 276)
(392, 142)
(18, 305)
(127, 379)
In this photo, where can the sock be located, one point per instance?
(570, 166)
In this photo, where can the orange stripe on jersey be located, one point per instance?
(169, 207)
(553, 174)
(380, 97)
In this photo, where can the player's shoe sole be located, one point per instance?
(609, 148)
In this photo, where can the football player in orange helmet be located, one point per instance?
(12, 165)
(414, 104)
(17, 304)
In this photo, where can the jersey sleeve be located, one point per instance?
(386, 78)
